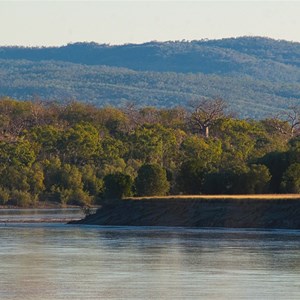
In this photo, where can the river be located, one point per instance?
(56, 261)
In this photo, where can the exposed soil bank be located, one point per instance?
(193, 212)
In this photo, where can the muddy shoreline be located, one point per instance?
(200, 212)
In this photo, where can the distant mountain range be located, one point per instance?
(257, 76)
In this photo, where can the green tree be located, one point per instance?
(152, 181)
(226, 180)
(111, 157)
(277, 163)
(19, 153)
(80, 144)
(191, 176)
(257, 180)
(146, 145)
(91, 182)
(117, 186)
(208, 150)
(294, 150)
(4, 196)
(291, 179)
(46, 137)
(64, 183)
(238, 139)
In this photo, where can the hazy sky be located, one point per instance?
(117, 22)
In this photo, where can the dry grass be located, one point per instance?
(237, 197)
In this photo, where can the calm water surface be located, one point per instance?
(56, 261)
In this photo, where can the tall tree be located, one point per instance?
(205, 113)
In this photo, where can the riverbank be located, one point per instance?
(39, 215)
(46, 205)
(240, 211)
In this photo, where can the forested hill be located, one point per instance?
(224, 56)
(257, 76)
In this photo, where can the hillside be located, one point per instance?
(257, 76)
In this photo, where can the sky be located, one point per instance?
(54, 23)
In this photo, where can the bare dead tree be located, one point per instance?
(292, 116)
(294, 119)
(205, 113)
(132, 112)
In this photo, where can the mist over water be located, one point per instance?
(57, 261)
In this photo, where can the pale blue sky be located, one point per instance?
(44, 23)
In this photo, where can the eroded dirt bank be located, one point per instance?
(233, 213)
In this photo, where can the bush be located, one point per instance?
(152, 181)
(91, 183)
(252, 180)
(257, 180)
(117, 186)
(191, 176)
(4, 196)
(219, 182)
(80, 197)
(291, 179)
(20, 198)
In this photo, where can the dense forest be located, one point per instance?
(258, 76)
(77, 153)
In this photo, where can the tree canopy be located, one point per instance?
(79, 154)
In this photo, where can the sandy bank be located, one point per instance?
(214, 211)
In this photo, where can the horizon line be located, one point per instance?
(148, 42)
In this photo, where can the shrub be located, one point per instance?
(4, 196)
(80, 197)
(152, 181)
(291, 179)
(20, 198)
(117, 186)
(191, 176)
(257, 179)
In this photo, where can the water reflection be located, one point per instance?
(55, 261)
(40, 215)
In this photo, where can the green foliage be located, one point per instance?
(191, 176)
(294, 150)
(277, 163)
(79, 154)
(16, 154)
(91, 182)
(151, 180)
(257, 180)
(147, 146)
(46, 137)
(209, 151)
(52, 173)
(37, 179)
(20, 198)
(238, 139)
(66, 184)
(80, 144)
(291, 179)
(227, 180)
(117, 186)
(222, 182)
(16, 177)
(4, 196)
(239, 180)
(111, 157)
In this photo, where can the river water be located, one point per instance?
(57, 261)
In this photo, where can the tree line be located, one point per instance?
(79, 154)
